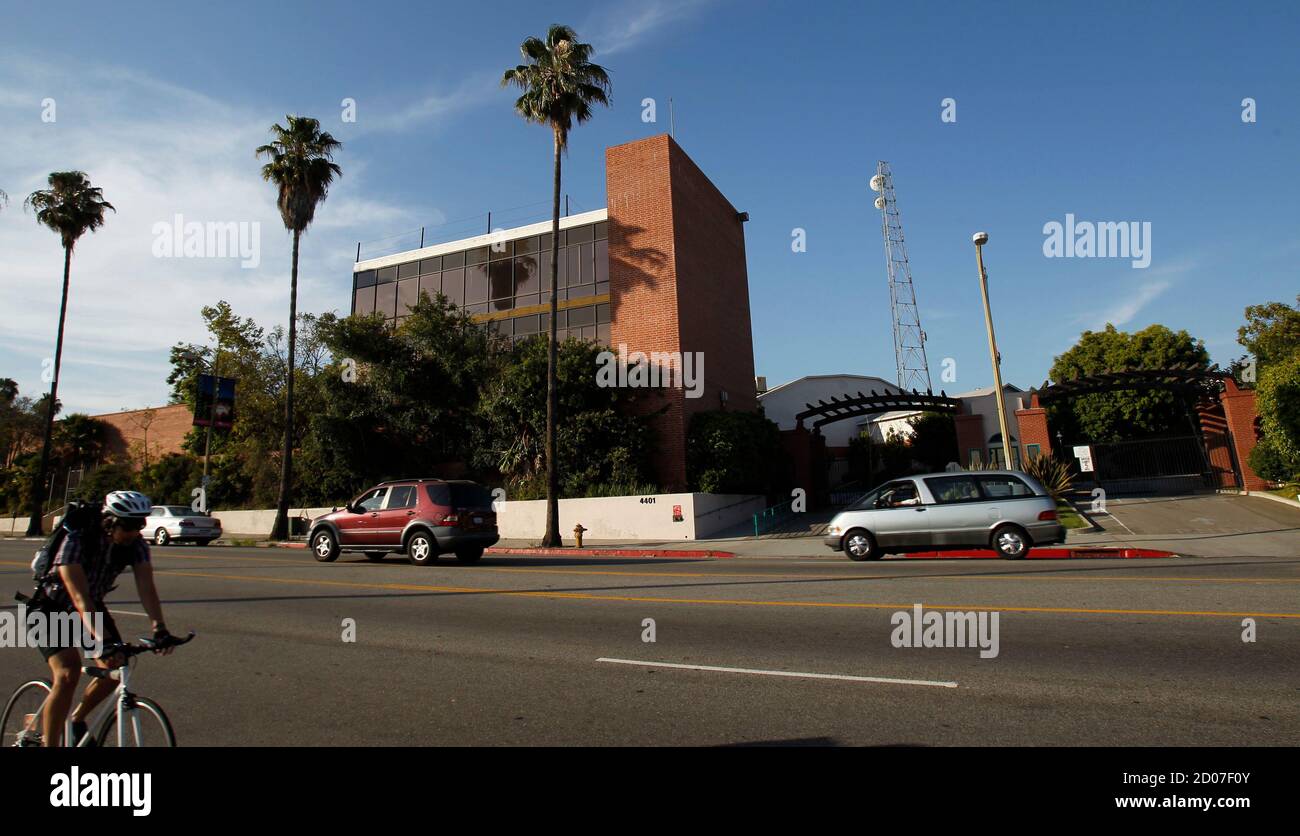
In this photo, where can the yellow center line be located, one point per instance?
(1045, 576)
(582, 596)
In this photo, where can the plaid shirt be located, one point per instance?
(101, 569)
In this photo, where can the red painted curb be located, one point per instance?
(687, 553)
(1111, 552)
(285, 545)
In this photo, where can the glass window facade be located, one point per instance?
(496, 281)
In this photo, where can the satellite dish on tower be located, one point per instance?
(877, 183)
(880, 202)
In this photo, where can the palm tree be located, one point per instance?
(301, 167)
(71, 207)
(560, 86)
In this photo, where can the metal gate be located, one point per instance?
(1182, 464)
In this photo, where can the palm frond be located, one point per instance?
(301, 166)
(71, 206)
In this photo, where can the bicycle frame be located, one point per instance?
(122, 704)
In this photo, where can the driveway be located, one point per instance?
(1206, 525)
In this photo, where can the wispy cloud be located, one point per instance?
(157, 150)
(621, 26)
(1126, 306)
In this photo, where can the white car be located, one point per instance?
(180, 523)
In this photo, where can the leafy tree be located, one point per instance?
(1120, 415)
(71, 207)
(560, 85)
(172, 479)
(934, 439)
(1278, 402)
(602, 449)
(302, 169)
(80, 439)
(1271, 332)
(396, 402)
(735, 452)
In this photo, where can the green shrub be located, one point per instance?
(1053, 473)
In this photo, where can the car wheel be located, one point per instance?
(324, 547)
(421, 550)
(1011, 541)
(161, 537)
(469, 555)
(375, 557)
(860, 545)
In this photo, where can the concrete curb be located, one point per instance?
(1092, 524)
(679, 553)
(1263, 495)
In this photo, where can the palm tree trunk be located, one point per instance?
(34, 527)
(552, 537)
(280, 531)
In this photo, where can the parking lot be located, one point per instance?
(526, 650)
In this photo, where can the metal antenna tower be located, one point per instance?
(909, 338)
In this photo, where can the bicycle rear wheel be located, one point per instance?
(20, 725)
(149, 727)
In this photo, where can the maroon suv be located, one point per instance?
(420, 518)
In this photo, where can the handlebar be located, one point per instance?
(145, 646)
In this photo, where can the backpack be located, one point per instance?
(79, 516)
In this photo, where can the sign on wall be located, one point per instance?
(1084, 454)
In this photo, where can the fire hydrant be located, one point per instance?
(577, 534)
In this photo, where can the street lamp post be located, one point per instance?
(980, 239)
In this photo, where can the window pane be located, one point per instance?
(526, 245)
(602, 261)
(524, 300)
(588, 276)
(453, 285)
(582, 316)
(502, 249)
(526, 324)
(409, 270)
(573, 267)
(953, 488)
(386, 299)
(602, 230)
(366, 278)
(403, 496)
(526, 276)
(996, 487)
(579, 291)
(501, 304)
(478, 255)
(481, 307)
(476, 283)
(602, 313)
(602, 334)
(431, 285)
(589, 333)
(431, 265)
(501, 275)
(407, 293)
(602, 288)
(453, 260)
(363, 303)
(562, 320)
(580, 234)
(387, 274)
(544, 242)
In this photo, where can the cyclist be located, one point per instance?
(81, 574)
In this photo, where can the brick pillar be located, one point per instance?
(1033, 430)
(970, 434)
(1242, 418)
(798, 446)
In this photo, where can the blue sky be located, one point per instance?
(1109, 112)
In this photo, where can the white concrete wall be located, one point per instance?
(629, 517)
(257, 523)
(782, 403)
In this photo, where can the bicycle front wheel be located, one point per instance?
(20, 725)
(146, 725)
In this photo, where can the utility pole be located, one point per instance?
(980, 239)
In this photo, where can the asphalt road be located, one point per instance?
(1137, 652)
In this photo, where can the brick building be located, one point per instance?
(660, 269)
(138, 434)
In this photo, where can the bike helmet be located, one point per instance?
(122, 504)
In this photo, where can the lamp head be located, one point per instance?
(980, 238)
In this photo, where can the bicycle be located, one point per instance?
(22, 727)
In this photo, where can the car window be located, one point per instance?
(471, 496)
(157, 512)
(374, 500)
(953, 488)
(401, 496)
(999, 487)
(181, 511)
(439, 494)
(899, 493)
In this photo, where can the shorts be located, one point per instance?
(56, 644)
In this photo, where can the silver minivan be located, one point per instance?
(1005, 510)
